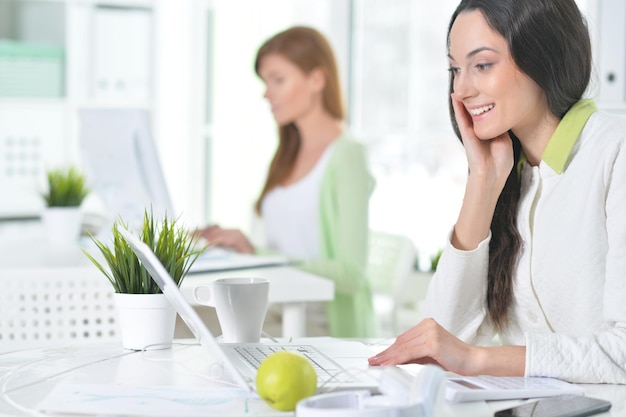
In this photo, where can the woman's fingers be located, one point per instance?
(231, 238)
(463, 119)
(209, 233)
(409, 347)
(427, 343)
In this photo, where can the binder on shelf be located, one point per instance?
(31, 69)
(612, 51)
(122, 55)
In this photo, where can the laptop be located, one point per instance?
(215, 259)
(240, 360)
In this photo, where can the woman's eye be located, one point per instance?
(483, 67)
(454, 70)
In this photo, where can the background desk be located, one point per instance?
(28, 376)
(289, 287)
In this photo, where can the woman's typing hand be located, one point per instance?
(228, 238)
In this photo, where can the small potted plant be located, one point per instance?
(145, 316)
(62, 217)
(434, 260)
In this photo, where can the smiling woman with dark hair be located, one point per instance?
(538, 253)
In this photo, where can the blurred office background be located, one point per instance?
(189, 63)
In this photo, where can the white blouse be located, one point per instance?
(570, 287)
(291, 214)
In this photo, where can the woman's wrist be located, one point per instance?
(484, 189)
(498, 360)
(479, 203)
(479, 358)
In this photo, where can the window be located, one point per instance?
(392, 58)
(400, 109)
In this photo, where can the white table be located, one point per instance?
(29, 376)
(289, 286)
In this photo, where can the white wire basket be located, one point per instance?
(56, 306)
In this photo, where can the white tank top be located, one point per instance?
(291, 214)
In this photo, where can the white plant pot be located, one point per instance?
(62, 224)
(146, 321)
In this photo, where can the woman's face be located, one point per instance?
(496, 94)
(291, 92)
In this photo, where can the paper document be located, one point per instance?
(154, 401)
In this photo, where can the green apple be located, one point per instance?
(284, 378)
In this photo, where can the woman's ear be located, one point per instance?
(317, 79)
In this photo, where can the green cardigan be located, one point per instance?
(344, 225)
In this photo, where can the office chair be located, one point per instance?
(57, 307)
(394, 279)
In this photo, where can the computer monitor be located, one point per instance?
(122, 163)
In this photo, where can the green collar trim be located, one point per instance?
(564, 138)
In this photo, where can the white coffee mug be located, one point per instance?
(241, 305)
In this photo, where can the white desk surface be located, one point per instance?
(28, 377)
(292, 288)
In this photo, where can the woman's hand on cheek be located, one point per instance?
(429, 343)
(463, 121)
(491, 158)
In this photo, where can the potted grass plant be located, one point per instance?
(62, 217)
(145, 316)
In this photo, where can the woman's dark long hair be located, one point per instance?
(549, 42)
(308, 49)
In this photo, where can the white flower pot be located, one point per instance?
(146, 321)
(62, 224)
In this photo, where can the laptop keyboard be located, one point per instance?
(324, 367)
